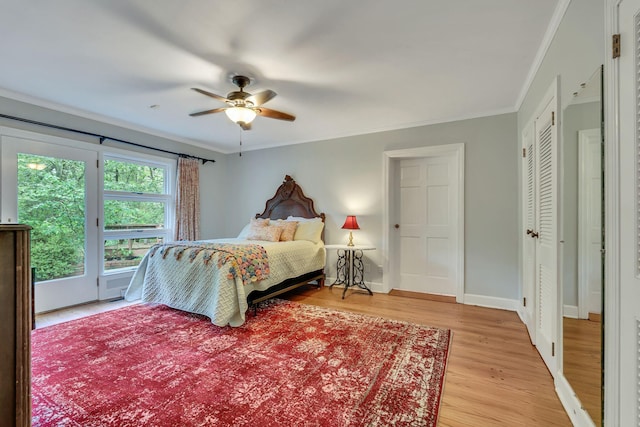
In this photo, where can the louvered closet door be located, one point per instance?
(546, 149)
(530, 224)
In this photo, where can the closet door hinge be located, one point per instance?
(524, 152)
(553, 349)
(615, 46)
(524, 301)
(553, 118)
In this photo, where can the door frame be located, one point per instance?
(82, 288)
(612, 276)
(390, 163)
(584, 219)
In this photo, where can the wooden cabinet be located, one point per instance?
(15, 325)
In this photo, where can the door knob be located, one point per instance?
(529, 231)
(534, 235)
(397, 226)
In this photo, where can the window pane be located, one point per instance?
(132, 177)
(129, 215)
(122, 253)
(51, 200)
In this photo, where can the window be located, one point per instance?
(137, 209)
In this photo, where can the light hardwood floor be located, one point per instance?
(76, 312)
(495, 377)
(583, 363)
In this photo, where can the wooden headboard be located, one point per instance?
(289, 200)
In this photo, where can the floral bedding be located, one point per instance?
(249, 261)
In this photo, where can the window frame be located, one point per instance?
(167, 198)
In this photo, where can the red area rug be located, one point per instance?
(292, 365)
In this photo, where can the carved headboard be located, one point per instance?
(289, 200)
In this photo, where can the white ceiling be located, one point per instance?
(343, 67)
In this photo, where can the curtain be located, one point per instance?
(188, 200)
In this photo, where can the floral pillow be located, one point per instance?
(259, 222)
(269, 233)
(288, 229)
(254, 224)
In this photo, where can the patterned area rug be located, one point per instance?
(292, 365)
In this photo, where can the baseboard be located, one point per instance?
(374, 286)
(492, 302)
(422, 295)
(570, 311)
(522, 314)
(469, 299)
(578, 416)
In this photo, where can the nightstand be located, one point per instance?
(350, 267)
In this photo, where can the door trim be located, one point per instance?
(612, 300)
(584, 220)
(64, 291)
(389, 166)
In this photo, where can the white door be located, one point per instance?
(52, 188)
(629, 245)
(589, 222)
(530, 223)
(546, 235)
(428, 226)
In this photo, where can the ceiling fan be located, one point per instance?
(243, 107)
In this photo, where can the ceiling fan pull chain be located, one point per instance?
(240, 152)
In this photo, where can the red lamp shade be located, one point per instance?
(351, 223)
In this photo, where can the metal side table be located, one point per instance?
(350, 267)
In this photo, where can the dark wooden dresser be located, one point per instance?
(15, 325)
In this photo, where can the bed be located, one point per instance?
(223, 278)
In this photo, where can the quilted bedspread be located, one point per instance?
(214, 277)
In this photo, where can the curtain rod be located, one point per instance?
(103, 138)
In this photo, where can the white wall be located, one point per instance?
(576, 51)
(344, 176)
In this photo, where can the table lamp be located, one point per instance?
(351, 224)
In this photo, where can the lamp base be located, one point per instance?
(350, 239)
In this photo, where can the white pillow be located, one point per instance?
(309, 230)
(301, 219)
(245, 232)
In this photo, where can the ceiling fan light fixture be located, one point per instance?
(242, 107)
(240, 114)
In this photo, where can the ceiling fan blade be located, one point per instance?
(274, 114)
(245, 126)
(202, 113)
(262, 97)
(212, 95)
